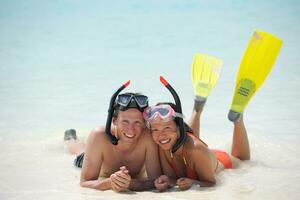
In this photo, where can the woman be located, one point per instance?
(192, 162)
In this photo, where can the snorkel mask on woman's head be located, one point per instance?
(163, 111)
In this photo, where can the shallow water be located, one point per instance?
(60, 61)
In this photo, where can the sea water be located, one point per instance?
(60, 62)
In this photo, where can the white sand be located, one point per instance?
(36, 168)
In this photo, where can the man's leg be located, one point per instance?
(74, 146)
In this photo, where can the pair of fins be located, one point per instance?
(255, 66)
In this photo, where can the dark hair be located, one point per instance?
(187, 128)
(118, 108)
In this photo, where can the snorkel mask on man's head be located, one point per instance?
(131, 100)
(123, 102)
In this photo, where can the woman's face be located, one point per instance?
(164, 133)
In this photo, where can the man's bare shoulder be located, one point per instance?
(97, 136)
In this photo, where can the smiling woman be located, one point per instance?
(192, 162)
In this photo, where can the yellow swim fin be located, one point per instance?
(256, 64)
(205, 74)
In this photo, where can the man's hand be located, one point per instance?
(184, 183)
(120, 180)
(162, 183)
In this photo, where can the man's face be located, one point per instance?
(130, 125)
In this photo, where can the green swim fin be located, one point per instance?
(205, 74)
(255, 66)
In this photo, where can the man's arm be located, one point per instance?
(152, 165)
(104, 184)
(92, 162)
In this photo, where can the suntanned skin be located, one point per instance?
(121, 167)
(198, 156)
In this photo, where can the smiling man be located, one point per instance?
(132, 164)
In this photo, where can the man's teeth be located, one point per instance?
(129, 136)
(164, 141)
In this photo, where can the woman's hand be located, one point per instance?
(184, 183)
(162, 183)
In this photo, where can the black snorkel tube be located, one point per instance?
(111, 110)
(182, 134)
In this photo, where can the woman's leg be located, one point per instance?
(194, 122)
(240, 144)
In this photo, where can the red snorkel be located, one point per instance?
(182, 134)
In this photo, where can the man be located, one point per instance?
(132, 164)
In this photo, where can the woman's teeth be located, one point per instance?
(165, 141)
